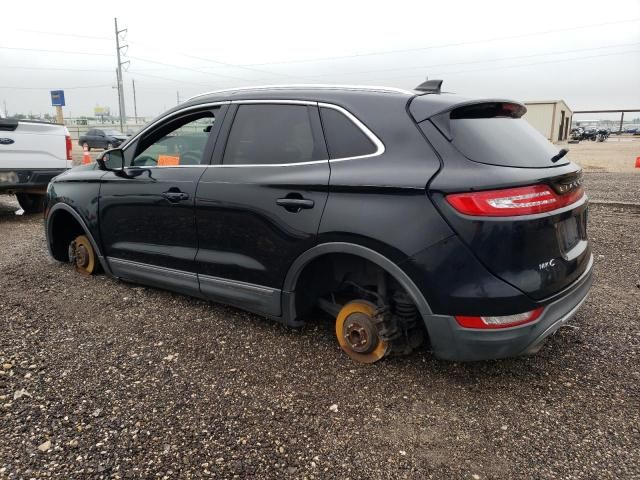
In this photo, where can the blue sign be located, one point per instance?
(57, 98)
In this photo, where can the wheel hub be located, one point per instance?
(359, 333)
(82, 257)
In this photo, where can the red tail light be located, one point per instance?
(493, 322)
(512, 201)
(69, 147)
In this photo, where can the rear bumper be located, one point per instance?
(27, 180)
(450, 341)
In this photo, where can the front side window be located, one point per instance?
(272, 134)
(344, 138)
(180, 142)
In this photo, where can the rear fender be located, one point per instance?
(291, 280)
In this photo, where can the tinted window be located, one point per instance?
(344, 138)
(510, 142)
(268, 134)
(91, 133)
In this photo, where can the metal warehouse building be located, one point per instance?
(552, 119)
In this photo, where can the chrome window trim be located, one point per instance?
(323, 86)
(380, 148)
(277, 102)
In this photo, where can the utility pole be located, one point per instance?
(178, 97)
(135, 105)
(123, 115)
(6, 112)
(119, 99)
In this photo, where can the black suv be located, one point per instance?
(407, 216)
(99, 138)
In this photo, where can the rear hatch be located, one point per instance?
(512, 196)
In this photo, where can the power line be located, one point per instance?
(58, 34)
(133, 72)
(49, 88)
(517, 57)
(446, 45)
(93, 54)
(219, 63)
(385, 52)
(20, 67)
(185, 68)
(536, 63)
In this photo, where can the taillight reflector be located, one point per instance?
(493, 322)
(512, 201)
(69, 147)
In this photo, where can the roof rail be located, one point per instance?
(308, 85)
(430, 86)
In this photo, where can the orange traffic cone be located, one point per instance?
(638, 162)
(86, 158)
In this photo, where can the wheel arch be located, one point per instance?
(65, 209)
(299, 265)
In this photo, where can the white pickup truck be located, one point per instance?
(31, 154)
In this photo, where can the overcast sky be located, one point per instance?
(586, 52)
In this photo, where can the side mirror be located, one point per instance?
(111, 160)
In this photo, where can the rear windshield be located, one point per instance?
(498, 136)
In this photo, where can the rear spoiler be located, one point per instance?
(423, 107)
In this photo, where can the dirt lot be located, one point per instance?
(101, 379)
(617, 154)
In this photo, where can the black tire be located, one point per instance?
(31, 202)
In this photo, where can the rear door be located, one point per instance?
(260, 205)
(147, 218)
(518, 206)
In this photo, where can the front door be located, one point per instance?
(259, 206)
(147, 218)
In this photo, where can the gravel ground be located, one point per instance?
(613, 187)
(102, 379)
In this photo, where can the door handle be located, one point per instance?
(295, 204)
(175, 196)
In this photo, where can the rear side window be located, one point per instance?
(495, 134)
(344, 138)
(272, 134)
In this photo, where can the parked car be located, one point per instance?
(406, 216)
(31, 154)
(101, 138)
